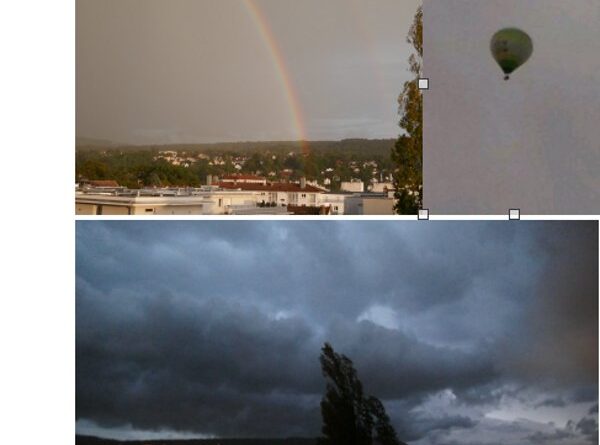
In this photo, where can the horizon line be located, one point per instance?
(91, 436)
(248, 141)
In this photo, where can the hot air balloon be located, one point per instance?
(511, 48)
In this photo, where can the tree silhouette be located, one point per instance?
(408, 152)
(350, 417)
(385, 434)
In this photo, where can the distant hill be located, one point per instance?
(91, 142)
(348, 146)
(89, 440)
(330, 162)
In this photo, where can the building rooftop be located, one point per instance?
(166, 192)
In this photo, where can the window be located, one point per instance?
(149, 210)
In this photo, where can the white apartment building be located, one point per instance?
(336, 201)
(280, 194)
(369, 204)
(382, 187)
(352, 186)
(205, 201)
(229, 199)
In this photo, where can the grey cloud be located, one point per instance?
(585, 429)
(400, 366)
(584, 393)
(179, 365)
(588, 426)
(561, 345)
(417, 427)
(215, 327)
(330, 251)
(543, 438)
(554, 402)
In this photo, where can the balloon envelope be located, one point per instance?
(511, 48)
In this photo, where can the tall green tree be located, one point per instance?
(385, 434)
(408, 151)
(349, 416)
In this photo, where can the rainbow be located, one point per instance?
(287, 84)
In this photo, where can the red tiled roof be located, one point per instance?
(271, 187)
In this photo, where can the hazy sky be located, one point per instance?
(470, 332)
(156, 71)
(532, 142)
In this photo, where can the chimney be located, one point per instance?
(303, 182)
(209, 180)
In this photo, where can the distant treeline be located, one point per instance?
(88, 440)
(358, 146)
(139, 166)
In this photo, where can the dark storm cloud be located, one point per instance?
(183, 366)
(417, 427)
(556, 402)
(586, 429)
(399, 365)
(542, 438)
(215, 327)
(285, 256)
(560, 319)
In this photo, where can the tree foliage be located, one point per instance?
(139, 166)
(408, 151)
(349, 416)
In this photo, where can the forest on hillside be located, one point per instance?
(328, 162)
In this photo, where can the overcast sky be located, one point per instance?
(531, 143)
(470, 332)
(156, 71)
